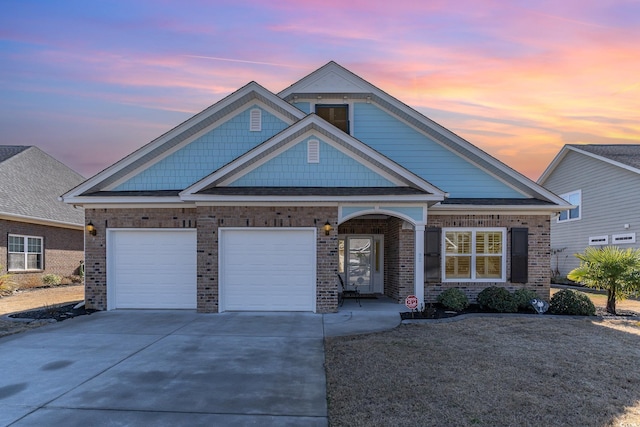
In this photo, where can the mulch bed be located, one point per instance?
(58, 313)
(437, 311)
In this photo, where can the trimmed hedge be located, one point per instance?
(523, 299)
(568, 301)
(454, 299)
(497, 299)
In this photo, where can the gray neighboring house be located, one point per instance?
(39, 234)
(603, 183)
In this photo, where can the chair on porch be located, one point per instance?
(346, 293)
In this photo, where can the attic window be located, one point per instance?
(313, 151)
(337, 115)
(255, 120)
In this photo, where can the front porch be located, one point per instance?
(377, 303)
(371, 315)
(377, 255)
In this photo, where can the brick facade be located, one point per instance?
(399, 247)
(208, 220)
(398, 252)
(96, 246)
(63, 249)
(539, 252)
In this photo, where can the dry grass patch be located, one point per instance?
(10, 327)
(487, 372)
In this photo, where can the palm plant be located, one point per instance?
(609, 268)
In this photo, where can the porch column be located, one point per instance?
(419, 263)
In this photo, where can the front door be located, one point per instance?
(359, 264)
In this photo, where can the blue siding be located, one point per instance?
(290, 169)
(303, 106)
(415, 213)
(424, 157)
(206, 154)
(349, 210)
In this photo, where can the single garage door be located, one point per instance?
(268, 269)
(151, 268)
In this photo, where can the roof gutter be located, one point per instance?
(498, 209)
(41, 221)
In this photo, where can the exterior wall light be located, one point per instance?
(91, 229)
(327, 228)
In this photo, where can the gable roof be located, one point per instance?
(183, 134)
(310, 125)
(329, 81)
(31, 182)
(351, 85)
(620, 155)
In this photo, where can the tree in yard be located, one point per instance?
(610, 268)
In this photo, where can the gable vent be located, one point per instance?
(313, 151)
(255, 120)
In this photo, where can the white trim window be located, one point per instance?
(474, 254)
(25, 253)
(575, 198)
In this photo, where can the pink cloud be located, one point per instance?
(519, 82)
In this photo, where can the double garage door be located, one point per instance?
(259, 269)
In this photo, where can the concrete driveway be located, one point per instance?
(166, 368)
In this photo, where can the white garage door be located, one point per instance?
(267, 269)
(151, 268)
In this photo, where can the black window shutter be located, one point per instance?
(432, 249)
(519, 255)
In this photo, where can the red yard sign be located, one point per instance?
(411, 302)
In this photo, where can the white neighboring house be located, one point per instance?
(603, 182)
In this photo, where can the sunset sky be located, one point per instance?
(90, 82)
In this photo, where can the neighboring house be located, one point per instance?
(258, 201)
(603, 183)
(39, 234)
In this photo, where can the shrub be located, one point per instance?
(454, 299)
(497, 299)
(7, 285)
(30, 281)
(75, 278)
(523, 299)
(571, 302)
(51, 279)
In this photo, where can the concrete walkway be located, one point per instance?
(371, 315)
(169, 368)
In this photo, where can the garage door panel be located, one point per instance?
(268, 270)
(153, 269)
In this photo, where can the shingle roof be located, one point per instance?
(272, 191)
(8, 151)
(312, 191)
(31, 182)
(622, 153)
(495, 202)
